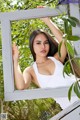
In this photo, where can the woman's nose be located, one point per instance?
(43, 45)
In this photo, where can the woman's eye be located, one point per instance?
(47, 42)
(38, 43)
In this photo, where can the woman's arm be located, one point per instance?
(58, 35)
(22, 80)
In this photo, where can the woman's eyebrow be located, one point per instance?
(41, 40)
(38, 41)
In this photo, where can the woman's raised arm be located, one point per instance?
(58, 35)
(21, 80)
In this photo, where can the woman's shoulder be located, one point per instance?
(52, 58)
(56, 58)
(29, 69)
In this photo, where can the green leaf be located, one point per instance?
(65, 25)
(72, 22)
(59, 48)
(70, 92)
(75, 19)
(73, 38)
(77, 89)
(66, 69)
(70, 49)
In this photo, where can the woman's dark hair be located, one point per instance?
(53, 44)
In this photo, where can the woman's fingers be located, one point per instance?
(15, 51)
(40, 6)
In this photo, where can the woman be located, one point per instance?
(47, 70)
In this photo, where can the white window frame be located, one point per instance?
(10, 94)
(72, 112)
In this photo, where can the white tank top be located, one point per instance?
(56, 79)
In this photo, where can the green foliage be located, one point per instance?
(67, 68)
(37, 109)
(11, 5)
(76, 87)
(70, 49)
(59, 48)
(73, 38)
(73, 64)
(70, 92)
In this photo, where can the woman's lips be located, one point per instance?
(43, 51)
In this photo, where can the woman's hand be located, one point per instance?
(15, 52)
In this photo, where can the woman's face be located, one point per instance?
(41, 45)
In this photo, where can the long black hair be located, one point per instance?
(52, 43)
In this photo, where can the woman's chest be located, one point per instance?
(47, 69)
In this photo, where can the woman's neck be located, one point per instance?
(41, 60)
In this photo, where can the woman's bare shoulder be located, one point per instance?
(28, 69)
